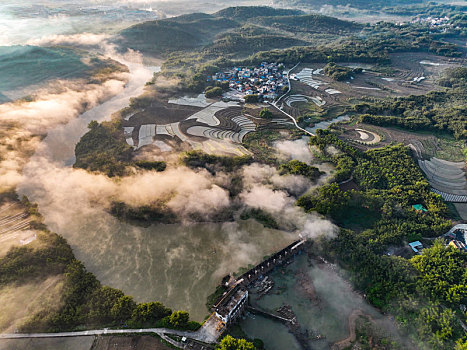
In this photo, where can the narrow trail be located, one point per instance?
(275, 104)
(162, 332)
(344, 343)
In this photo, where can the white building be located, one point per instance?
(232, 305)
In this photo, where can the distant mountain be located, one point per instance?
(242, 13)
(23, 66)
(234, 29)
(309, 23)
(179, 33)
(359, 4)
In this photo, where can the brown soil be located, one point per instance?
(161, 112)
(409, 64)
(344, 343)
(370, 83)
(144, 342)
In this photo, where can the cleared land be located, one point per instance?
(218, 128)
(411, 73)
(78, 343)
(19, 303)
(128, 343)
(14, 227)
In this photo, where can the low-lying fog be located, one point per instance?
(176, 264)
(25, 20)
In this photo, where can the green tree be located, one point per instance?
(328, 200)
(103, 148)
(231, 343)
(213, 92)
(123, 308)
(296, 167)
(461, 345)
(265, 113)
(150, 313)
(179, 319)
(443, 273)
(93, 124)
(251, 98)
(100, 304)
(337, 72)
(438, 325)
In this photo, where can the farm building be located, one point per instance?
(457, 237)
(419, 208)
(416, 246)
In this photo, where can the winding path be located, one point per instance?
(344, 343)
(276, 103)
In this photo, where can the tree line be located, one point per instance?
(426, 293)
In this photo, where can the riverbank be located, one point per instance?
(322, 301)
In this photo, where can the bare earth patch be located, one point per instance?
(129, 343)
(74, 343)
(19, 303)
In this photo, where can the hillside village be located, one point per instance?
(267, 81)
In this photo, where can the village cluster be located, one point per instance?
(433, 21)
(267, 81)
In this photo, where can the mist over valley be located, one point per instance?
(233, 174)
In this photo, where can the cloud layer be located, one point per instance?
(81, 39)
(23, 124)
(297, 149)
(265, 189)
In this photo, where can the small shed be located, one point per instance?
(419, 208)
(416, 246)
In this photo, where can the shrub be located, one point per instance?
(213, 92)
(265, 113)
(151, 165)
(251, 98)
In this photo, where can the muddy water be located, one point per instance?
(324, 311)
(179, 265)
(175, 264)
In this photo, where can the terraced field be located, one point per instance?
(306, 77)
(219, 122)
(447, 178)
(295, 98)
(232, 126)
(368, 137)
(13, 219)
(14, 227)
